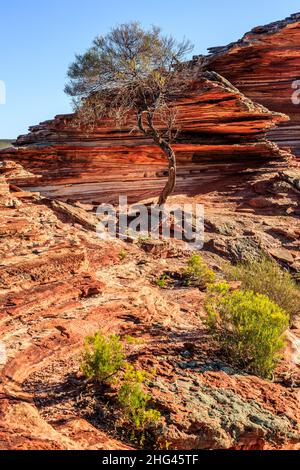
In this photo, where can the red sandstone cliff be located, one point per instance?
(222, 133)
(59, 283)
(263, 65)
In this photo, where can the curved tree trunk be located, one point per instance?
(171, 183)
(168, 151)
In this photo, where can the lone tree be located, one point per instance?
(131, 75)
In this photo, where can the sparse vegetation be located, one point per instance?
(162, 281)
(144, 238)
(133, 73)
(132, 340)
(266, 277)
(5, 143)
(135, 401)
(198, 273)
(102, 357)
(123, 255)
(249, 326)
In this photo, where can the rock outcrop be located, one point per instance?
(264, 65)
(60, 283)
(222, 134)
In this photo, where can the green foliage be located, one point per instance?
(127, 57)
(134, 400)
(102, 357)
(103, 360)
(162, 281)
(144, 238)
(132, 340)
(198, 273)
(123, 255)
(250, 327)
(131, 72)
(266, 277)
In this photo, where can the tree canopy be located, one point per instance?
(128, 72)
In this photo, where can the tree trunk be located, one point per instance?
(168, 151)
(170, 185)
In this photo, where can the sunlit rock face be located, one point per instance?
(264, 65)
(222, 133)
(59, 282)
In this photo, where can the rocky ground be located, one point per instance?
(60, 283)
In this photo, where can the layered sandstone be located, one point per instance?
(222, 134)
(264, 65)
(59, 283)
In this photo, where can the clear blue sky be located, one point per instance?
(40, 37)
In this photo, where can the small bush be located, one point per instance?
(134, 400)
(162, 281)
(123, 255)
(198, 273)
(266, 277)
(250, 327)
(132, 340)
(102, 357)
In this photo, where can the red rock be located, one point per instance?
(263, 65)
(60, 283)
(89, 438)
(75, 290)
(282, 254)
(222, 134)
(50, 268)
(260, 202)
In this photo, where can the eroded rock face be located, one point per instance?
(60, 283)
(79, 285)
(222, 133)
(263, 65)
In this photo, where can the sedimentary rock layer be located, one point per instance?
(60, 283)
(222, 133)
(264, 65)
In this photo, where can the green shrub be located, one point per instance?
(134, 400)
(123, 255)
(162, 281)
(266, 277)
(250, 327)
(133, 340)
(198, 273)
(102, 357)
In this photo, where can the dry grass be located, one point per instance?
(5, 143)
(267, 278)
